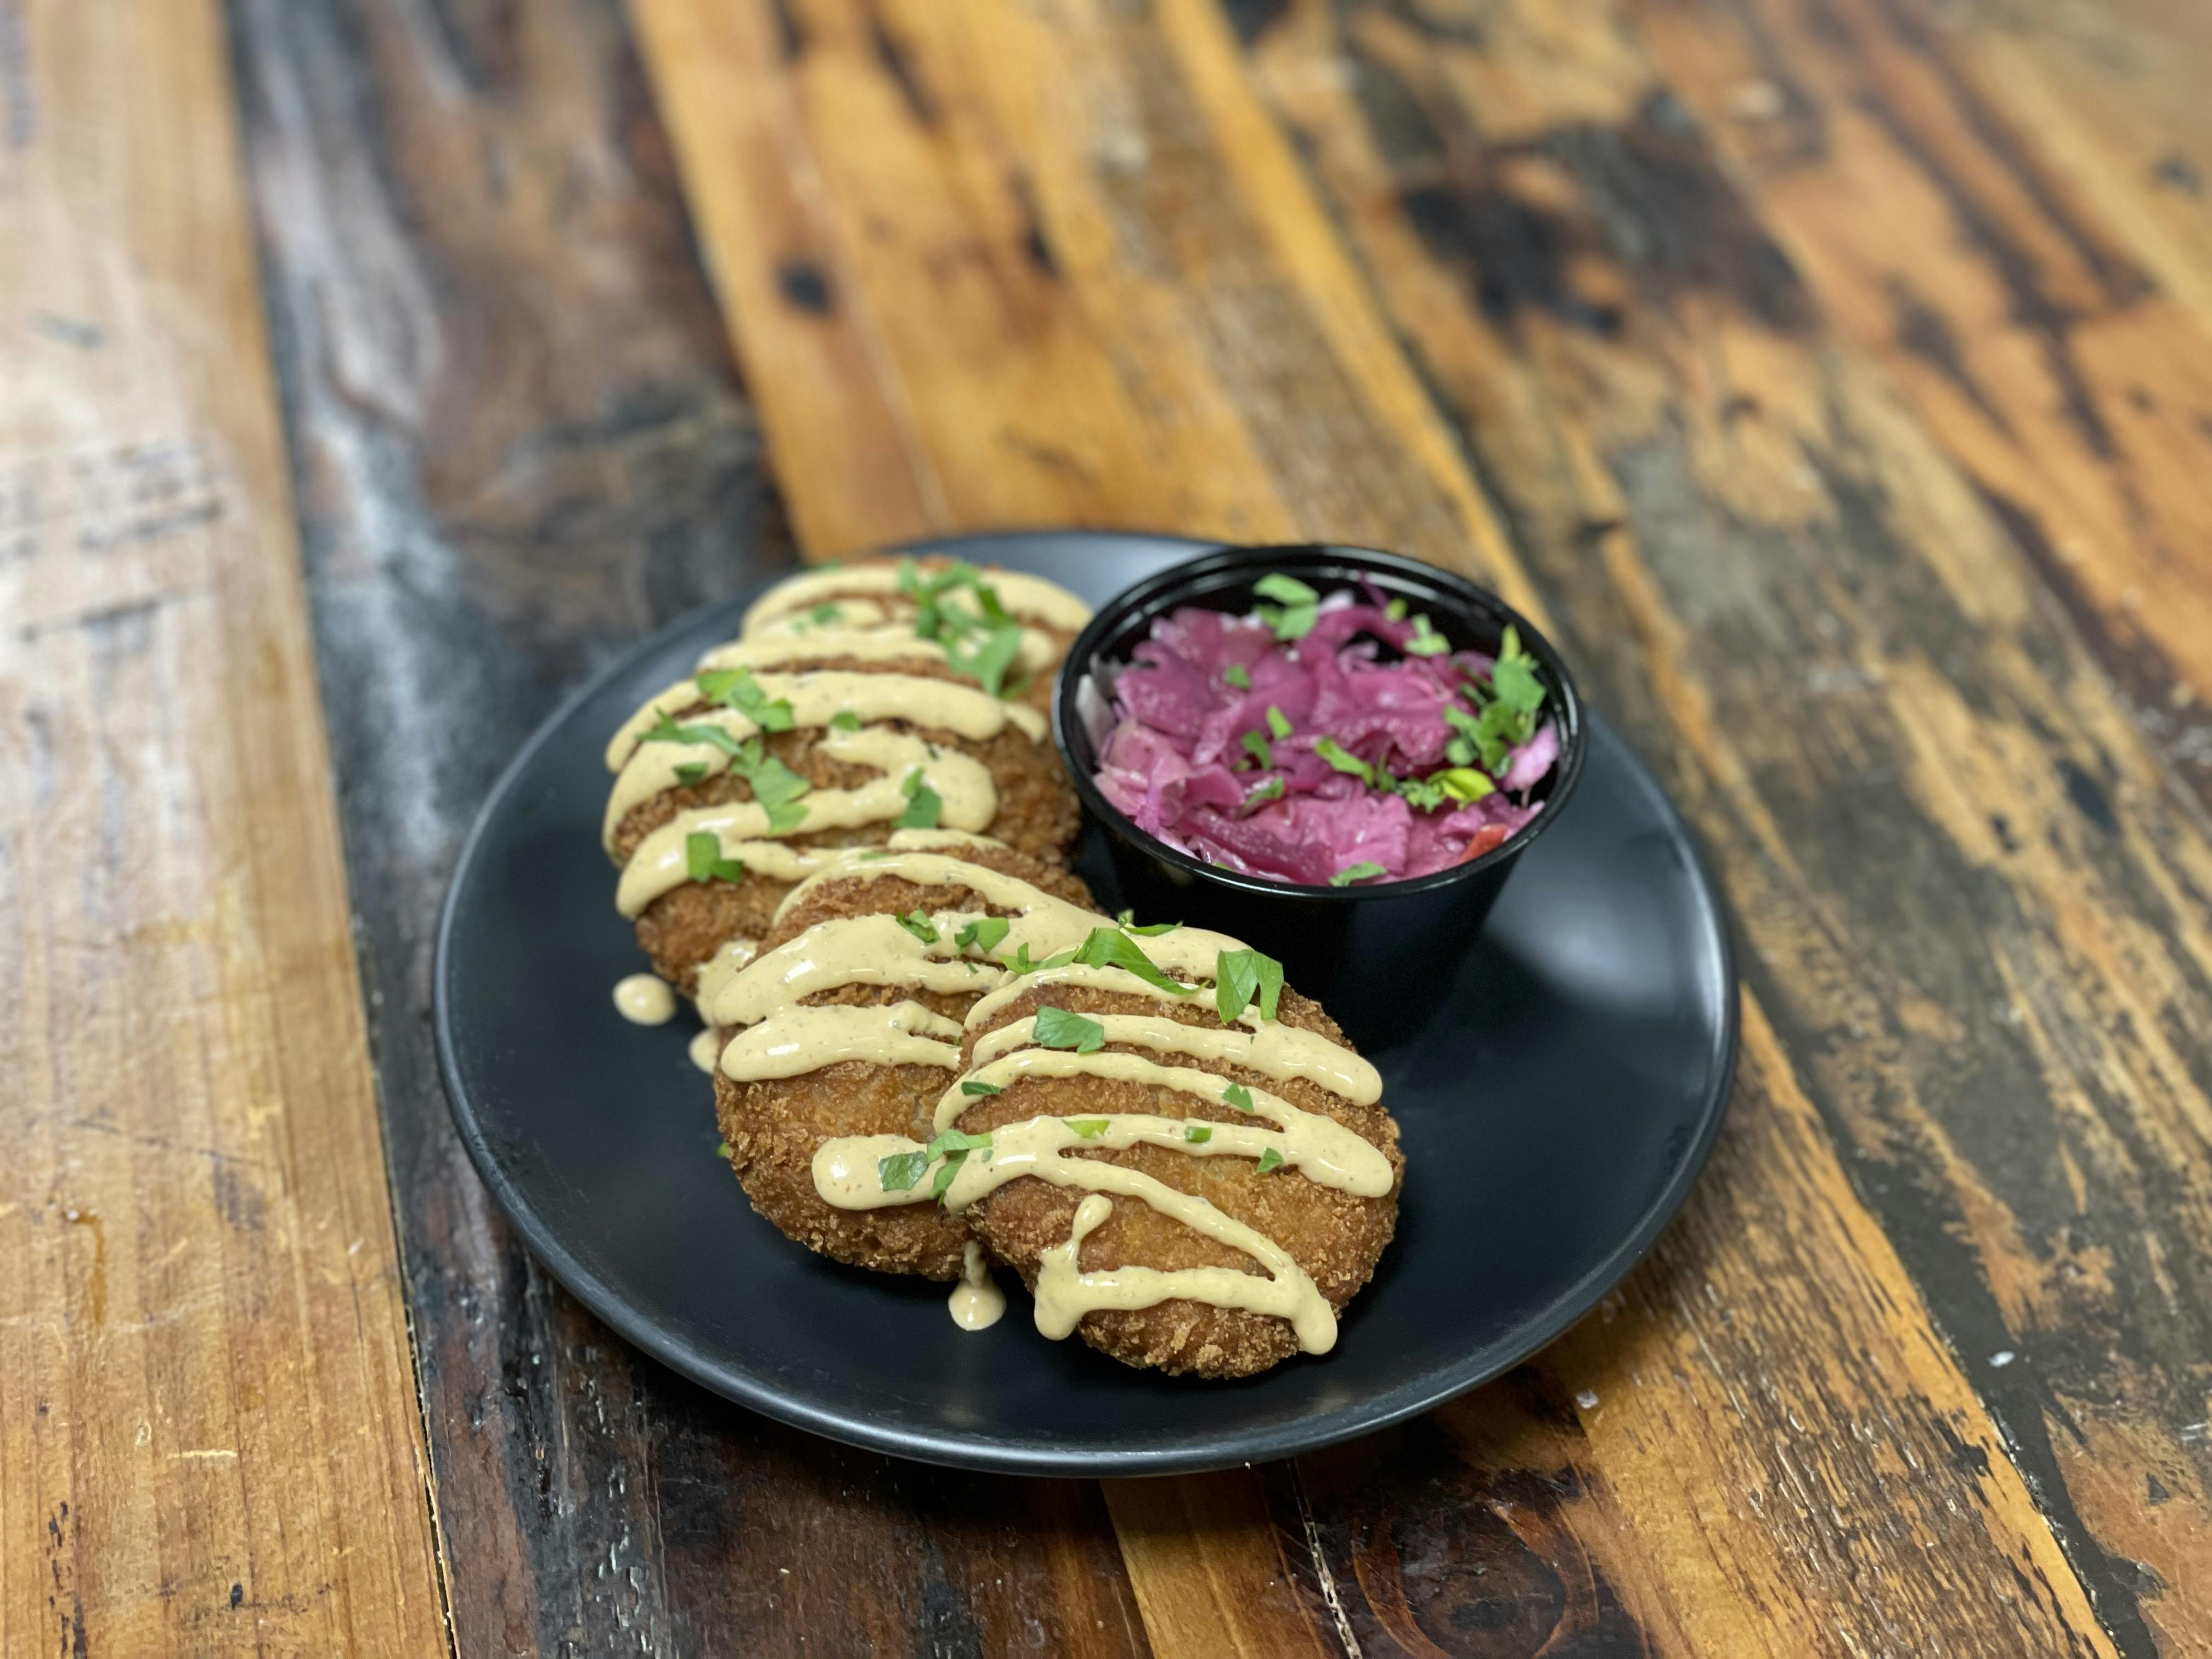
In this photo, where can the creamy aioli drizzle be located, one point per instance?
(844, 613)
(1022, 596)
(1278, 1051)
(976, 1302)
(967, 800)
(794, 639)
(703, 1050)
(806, 1039)
(764, 999)
(645, 999)
(778, 1035)
(719, 970)
(815, 699)
(846, 1175)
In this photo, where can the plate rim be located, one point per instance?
(1324, 1428)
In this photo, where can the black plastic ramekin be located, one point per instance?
(1379, 954)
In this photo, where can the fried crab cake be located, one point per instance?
(1336, 1237)
(862, 594)
(683, 928)
(774, 1128)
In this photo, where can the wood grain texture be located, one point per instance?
(2051, 324)
(1975, 900)
(210, 1439)
(519, 445)
(1306, 232)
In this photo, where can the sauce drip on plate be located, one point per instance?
(779, 1035)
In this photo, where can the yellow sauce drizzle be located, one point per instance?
(976, 1302)
(645, 999)
(878, 949)
(703, 1044)
(806, 1039)
(815, 699)
(1031, 597)
(968, 800)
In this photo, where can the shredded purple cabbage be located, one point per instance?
(1177, 762)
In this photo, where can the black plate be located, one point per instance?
(1555, 1111)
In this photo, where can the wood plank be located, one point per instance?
(946, 240)
(2052, 322)
(1214, 1574)
(1185, 250)
(210, 1437)
(1974, 902)
(520, 445)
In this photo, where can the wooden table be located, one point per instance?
(1835, 376)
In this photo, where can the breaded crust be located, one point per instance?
(1336, 1237)
(684, 926)
(1036, 691)
(775, 1128)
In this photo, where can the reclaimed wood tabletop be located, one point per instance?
(1833, 378)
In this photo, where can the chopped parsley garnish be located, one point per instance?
(825, 612)
(1343, 759)
(1395, 611)
(735, 688)
(775, 786)
(1243, 977)
(1422, 794)
(1109, 947)
(988, 662)
(919, 924)
(1509, 706)
(981, 643)
(1365, 869)
(1426, 641)
(1256, 747)
(703, 859)
(1239, 1097)
(1279, 724)
(1461, 784)
(975, 1088)
(901, 1171)
(692, 774)
(721, 1149)
(954, 1147)
(1128, 921)
(1238, 675)
(1288, 590)
(1269, 1160)
(1267, 789)
(1021, 964)
(1197, 1133)
(1478, 739)
(1089, 1128)
(1513, 675)
(1055, 1028)
(715, 737)
(985, 935)
(845, 721)
(922, 804)
(1292, 616)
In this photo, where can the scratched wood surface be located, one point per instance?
(1830, 373)
(1923, 1367)
(209, 1435)
(520, 445)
